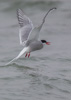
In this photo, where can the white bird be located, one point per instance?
(29, 36)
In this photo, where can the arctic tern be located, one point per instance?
(29, 35)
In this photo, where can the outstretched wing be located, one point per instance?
(43, 21)
(26, 26)
(36, 30)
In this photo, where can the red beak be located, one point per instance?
(48, 43)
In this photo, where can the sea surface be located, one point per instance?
(46, 74)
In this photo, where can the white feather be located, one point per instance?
(26, 26)
(25, 50)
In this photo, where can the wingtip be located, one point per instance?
(20, 14)
(19, 10)
(54, 8)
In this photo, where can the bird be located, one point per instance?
(29, 35)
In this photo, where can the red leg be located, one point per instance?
(26, 55)
(29, 55)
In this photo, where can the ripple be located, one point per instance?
(48, 86)
(21, 66)
(64, 90)
(68, 81)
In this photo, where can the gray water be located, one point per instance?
(46, 75)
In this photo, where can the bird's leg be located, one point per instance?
(26, 55)
(29, 55)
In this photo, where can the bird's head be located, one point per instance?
(44, 41)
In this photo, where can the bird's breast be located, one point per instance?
(36, 45)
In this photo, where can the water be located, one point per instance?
(46, 75)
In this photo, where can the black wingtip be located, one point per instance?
(53, 8)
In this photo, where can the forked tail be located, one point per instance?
(11, 61)
(20, 54)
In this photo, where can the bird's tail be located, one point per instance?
(19, 55)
